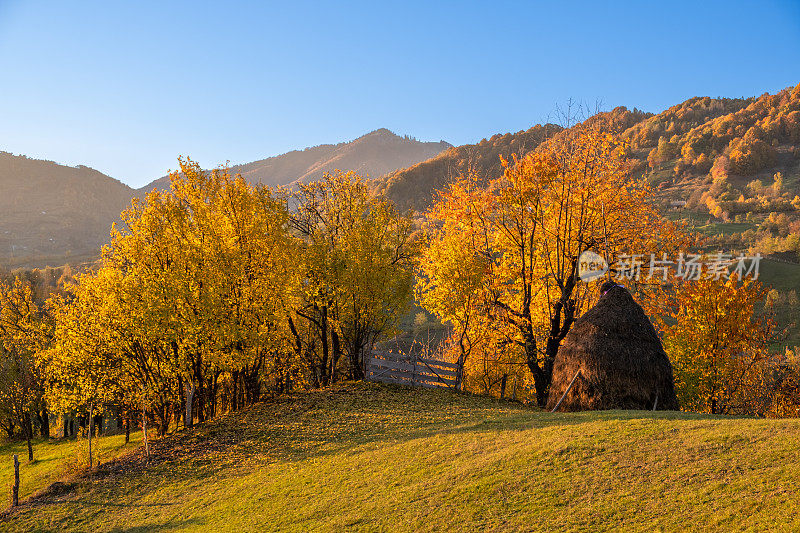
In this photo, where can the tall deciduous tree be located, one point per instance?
(23, 332)
(194, 289)
(717, 335)
(358, 257)
(520, 238)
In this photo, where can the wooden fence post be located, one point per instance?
(15, 486)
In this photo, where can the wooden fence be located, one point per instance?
(413, 370)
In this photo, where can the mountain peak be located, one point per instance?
(372, 155)
(381, 131)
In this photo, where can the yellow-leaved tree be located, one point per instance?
(24, 331)
(501, 263)
(192, 296)
(357, 256)
(717, 336)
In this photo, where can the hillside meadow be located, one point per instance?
(57, 459)
(368, 457)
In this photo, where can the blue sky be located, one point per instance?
(126, 87)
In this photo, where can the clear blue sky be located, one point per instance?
(125, 87)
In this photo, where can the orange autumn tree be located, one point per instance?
(717, 337)
(501, 261)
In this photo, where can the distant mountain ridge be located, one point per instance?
(56, 214)
(726, 157)
(372, 155)
(53, 214)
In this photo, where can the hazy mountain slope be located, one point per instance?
(373, 155)
(51, 213)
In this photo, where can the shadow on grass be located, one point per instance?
(118, 504)
(316, 424)
(164, 526)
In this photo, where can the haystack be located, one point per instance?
(621, 361)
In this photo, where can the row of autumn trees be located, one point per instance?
(215, 292)
(210, 293)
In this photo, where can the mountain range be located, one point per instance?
(55, 214)
(725, 157)
(371, 155)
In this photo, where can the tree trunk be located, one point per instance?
(251, 383)
(15, 486)
(188, 422)
(44, 422)
(324, 373)
(540, 380)
(357, 360)
(28, 428)
(91, 431)
(127, 429)
(200, 394)
(182, 406)
(10, 428)
(144, 433)
(214, 386)
(337, 353)
(235, 390)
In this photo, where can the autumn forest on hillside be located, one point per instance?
(215, 292)
(222, 305)
(370, 266)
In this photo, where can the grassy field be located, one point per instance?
(381, 458)
(54, 459)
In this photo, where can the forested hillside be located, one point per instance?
(721, 155)
(55, 214)
(413, 188)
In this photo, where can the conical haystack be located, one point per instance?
(621, 361)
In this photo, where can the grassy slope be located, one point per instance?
(54, 459)
(371, 457)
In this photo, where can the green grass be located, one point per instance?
(781, 276)
(725, 228)
(784, 277)
(55, 458)
(381, 458)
